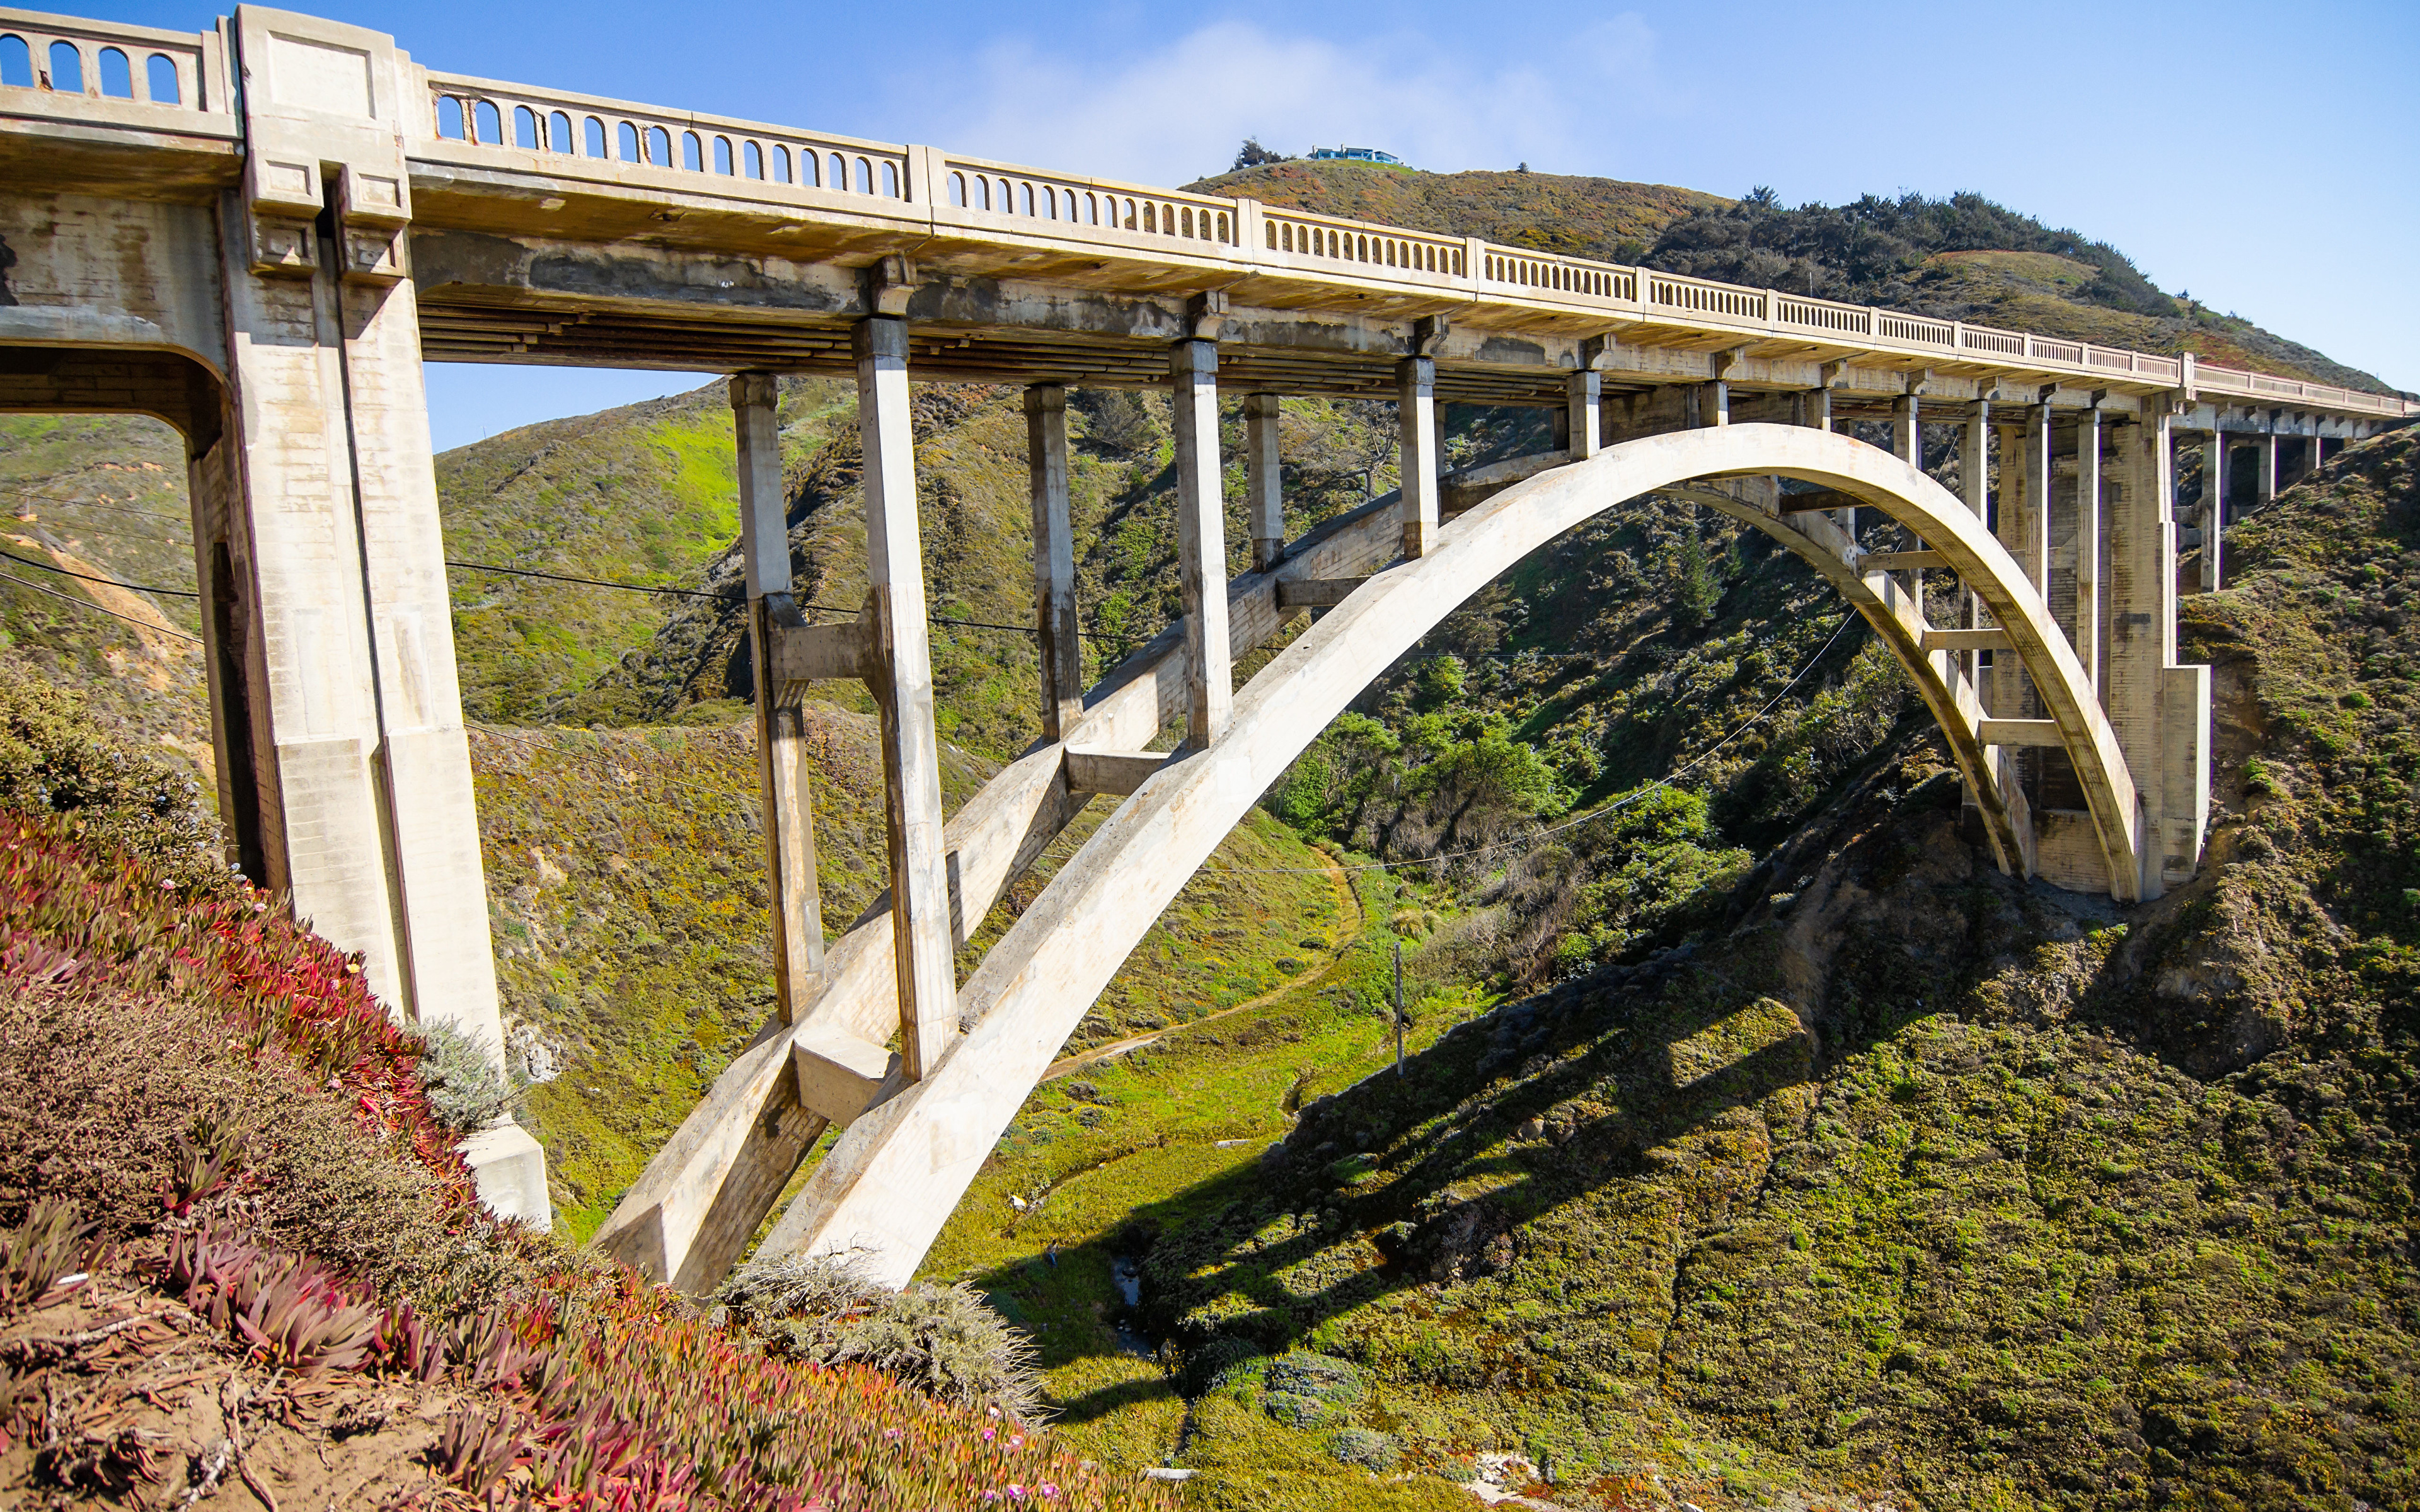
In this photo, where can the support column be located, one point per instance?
(2315, 456)
(1201, 539)
(1975, 481)
(1583, 408)
(901, 674)
(1714, 403)
(1056, 637)
(1813, 407)
(333, 572)
(1907, 432)
(782, 768)
(1417, 452)
(1263, 480)
(2160, 711)
(2035, 511)
(2213, 508)
(2264, 481)
(2086, 631)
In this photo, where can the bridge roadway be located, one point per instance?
(268, 267)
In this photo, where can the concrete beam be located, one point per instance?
(1264, 479)
(1201, 538)
(776, 628)
(1416, 426)
(1057, 631)
(1316, 593)
(903, 685)
(1117, 773)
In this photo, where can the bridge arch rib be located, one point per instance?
(885, 1190)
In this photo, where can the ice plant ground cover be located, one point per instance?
(232, 1063)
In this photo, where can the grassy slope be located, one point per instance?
(1919, 1182)
(1606, 218)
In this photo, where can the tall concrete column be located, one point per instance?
(2315, 456)
(1975, 480)
(1714, 403)
(1907, 431)
(2213, 508)
(1583, 408)
(334, 560)
(1201, 539)
(782, 772)
(2034, 511)
(2160, 710)
(1056, 634)
(1417, 452)
(2089, 539)
(1813, 407)
(901, 678)
(1263, 479)
(2264, 479)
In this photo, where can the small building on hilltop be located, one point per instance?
(1357, 155)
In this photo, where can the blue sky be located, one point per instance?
(2260, 156)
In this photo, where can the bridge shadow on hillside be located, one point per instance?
(1649, 1032)
(1670, 1048)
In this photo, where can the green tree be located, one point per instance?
(1698, 590)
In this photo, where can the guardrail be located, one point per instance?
(589, 133)
(66, 59)
(103, 73)
(977, 191)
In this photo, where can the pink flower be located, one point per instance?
(1015, 1492)
(986, 1435)
(893, 1434)
(991, 1496)
(1016, 1440)
(1049, 1491)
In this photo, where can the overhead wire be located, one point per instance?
(87, 603)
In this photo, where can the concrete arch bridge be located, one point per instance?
(268, 267)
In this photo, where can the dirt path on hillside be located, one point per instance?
(1068, 1065)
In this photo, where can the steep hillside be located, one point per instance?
(1888, 1178)
(239, 1261)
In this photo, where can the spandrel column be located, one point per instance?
(782, 772)
(900, 669)
(1054, 562)
(1201, 539)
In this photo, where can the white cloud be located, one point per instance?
(1168, 116)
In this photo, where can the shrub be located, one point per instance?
(1322, 1375)
(1223, 1361)
(946, 1341)
(1364, 1447)
(1297, 1411)
(466, 1090)
(55, 761)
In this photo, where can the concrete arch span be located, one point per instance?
(900, 1169)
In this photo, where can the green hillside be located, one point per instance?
(1582, 217)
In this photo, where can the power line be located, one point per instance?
(86, 603)
(111, 582)
(728, 597)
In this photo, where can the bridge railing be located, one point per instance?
(609, 140)
(63, 64)
(978, 192)
(592, 136)
(1301, 241)
(1548, 274)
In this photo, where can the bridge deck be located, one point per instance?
(609, 219)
